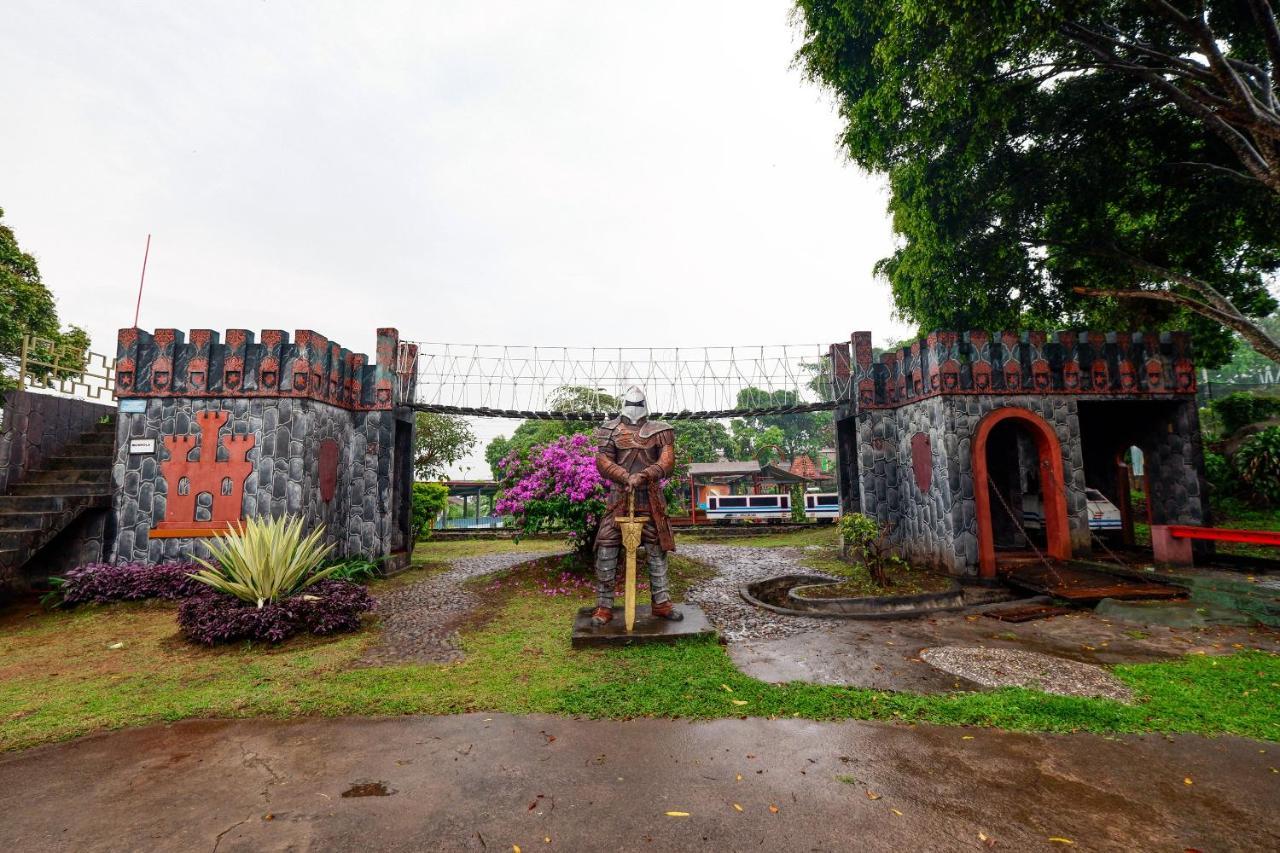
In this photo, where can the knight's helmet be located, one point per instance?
(634, 408)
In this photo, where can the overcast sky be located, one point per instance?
(552, 173)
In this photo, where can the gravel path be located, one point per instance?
(1015, 668)
(735, 565)
(420, 622)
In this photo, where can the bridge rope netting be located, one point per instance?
(585, 383)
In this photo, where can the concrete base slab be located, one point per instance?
(886, 655)
(493, 782)
(648, 628)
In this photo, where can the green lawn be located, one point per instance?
(1232, 513)
(59, 679)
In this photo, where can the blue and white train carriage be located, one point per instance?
(775, 508)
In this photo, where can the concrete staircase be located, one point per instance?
(49, 499)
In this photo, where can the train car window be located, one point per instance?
(713, 502)
(828, 500)
(764, 500)
(808, 501)
(726, 503)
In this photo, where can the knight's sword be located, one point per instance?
(632, 527)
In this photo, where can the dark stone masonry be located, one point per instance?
(957, 436)
(209, 433)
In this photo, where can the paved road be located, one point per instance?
(488, 782)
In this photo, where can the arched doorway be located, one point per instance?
(1000, 431)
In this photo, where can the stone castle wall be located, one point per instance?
(37, 426)
(244, 429)
(938, 526)
(285, 478)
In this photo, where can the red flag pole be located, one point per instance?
(141, 281)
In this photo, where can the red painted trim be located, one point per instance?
(1054, 500)
(196, 530)
(1223, 534)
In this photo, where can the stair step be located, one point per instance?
(71, 475)
(92, 462)
(97, 443)
(20, 540)
(27, 520)
(12, 559)
(102, 489)
(31, 503)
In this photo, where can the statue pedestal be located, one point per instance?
(648, 629)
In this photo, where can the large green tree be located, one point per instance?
(1084, 162)
(438, 442)
(27, 308)
(785, 436)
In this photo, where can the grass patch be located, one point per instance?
(824, 535)
(59, 679)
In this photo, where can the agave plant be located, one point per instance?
(265, 560)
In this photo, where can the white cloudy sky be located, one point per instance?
(554, 173)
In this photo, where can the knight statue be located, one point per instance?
(635, 454)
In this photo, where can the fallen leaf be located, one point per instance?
(727, 688)
(738, 778)
(895, 811)
(547, 839)
(677, 814)
(1186, 781)
(773, 809)
(1056, 840)
(982, 836)
(737, 808)
(515, 848)
(966, 737)
(738, 701)
(872, 795)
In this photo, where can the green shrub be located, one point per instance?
(1257, 464)
(429, 499)
(265, 560)
(868, 543)
(1242, 408)
(355, 570)
(1217, 470)
(797, 502)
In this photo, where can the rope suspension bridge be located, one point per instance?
(585, 383)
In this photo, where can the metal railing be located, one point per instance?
(47, 365)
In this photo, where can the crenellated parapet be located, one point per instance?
(204, 364)
(979, 362)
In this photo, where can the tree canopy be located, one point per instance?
(438, 442)
(1082, 163)
(767, 437)
(26, 307)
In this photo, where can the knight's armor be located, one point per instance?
(635, 454)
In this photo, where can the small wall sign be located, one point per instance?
(142, 445)
(133, 407)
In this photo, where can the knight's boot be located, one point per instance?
(606, 579)
(659, 588)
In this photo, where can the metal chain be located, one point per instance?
(1000, 497)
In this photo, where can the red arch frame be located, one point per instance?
(1054, 501)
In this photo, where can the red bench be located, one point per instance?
(1171, 543)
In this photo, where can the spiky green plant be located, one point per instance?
(265, 560)
(1258, 464)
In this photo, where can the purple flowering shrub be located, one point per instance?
(557, 488)
(100, 583)
(325, 607)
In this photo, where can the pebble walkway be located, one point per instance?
(735, 619)
(420, 622)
